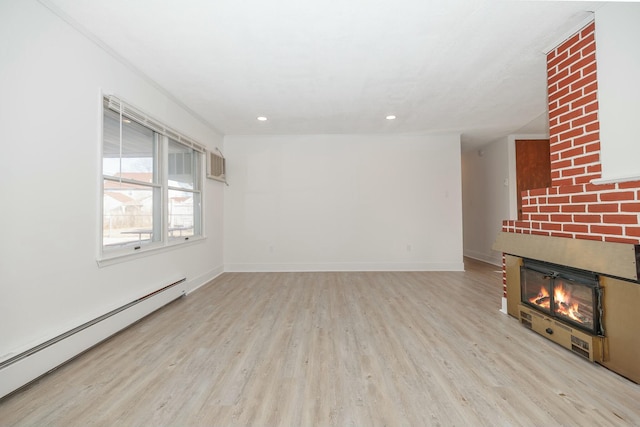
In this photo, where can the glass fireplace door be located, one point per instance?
(574, 300)
(564, 293)
(536, 289)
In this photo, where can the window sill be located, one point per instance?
(119, 257)
(615, 179)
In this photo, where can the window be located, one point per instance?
(184, 194)
(152, 180)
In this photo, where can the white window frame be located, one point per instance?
(162, 135)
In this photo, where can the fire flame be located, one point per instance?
(562, 301)
(564, 305)
(542, 299)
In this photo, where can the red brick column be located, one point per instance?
(573, 110)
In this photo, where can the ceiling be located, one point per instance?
(475, 67)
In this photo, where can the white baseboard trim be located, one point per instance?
(357, 266)
(504, 306)
(204, 279)
(31, 365)
(489, 259)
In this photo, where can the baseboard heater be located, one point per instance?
(30, 365)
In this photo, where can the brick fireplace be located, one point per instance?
(574, 209)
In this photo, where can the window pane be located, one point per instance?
(181, 161)
(182, 221)
(128, 214)
(139, 153)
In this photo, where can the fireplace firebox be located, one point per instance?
(563, 293)
(564, 304)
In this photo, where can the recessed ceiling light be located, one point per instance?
(390, 117)
(262, 118)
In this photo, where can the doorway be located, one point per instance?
(533, 167)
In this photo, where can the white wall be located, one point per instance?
(51, 80)
(618, 57)
(343, 202)
(486, 198)
(489, 194)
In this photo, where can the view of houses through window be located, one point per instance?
(151, 186)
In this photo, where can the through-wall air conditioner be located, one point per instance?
(216, 166)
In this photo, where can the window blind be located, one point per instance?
(119, 106)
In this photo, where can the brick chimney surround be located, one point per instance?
(573, 207)
(579, 223)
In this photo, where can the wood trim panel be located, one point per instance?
(512, 265)
(615, 259)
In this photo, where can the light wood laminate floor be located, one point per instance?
(309, 349)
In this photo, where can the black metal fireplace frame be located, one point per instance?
(553, 273)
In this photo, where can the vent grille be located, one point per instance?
(579, 342)
(580, 346)
(216, 167)
(525, 319)
(580, 351)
